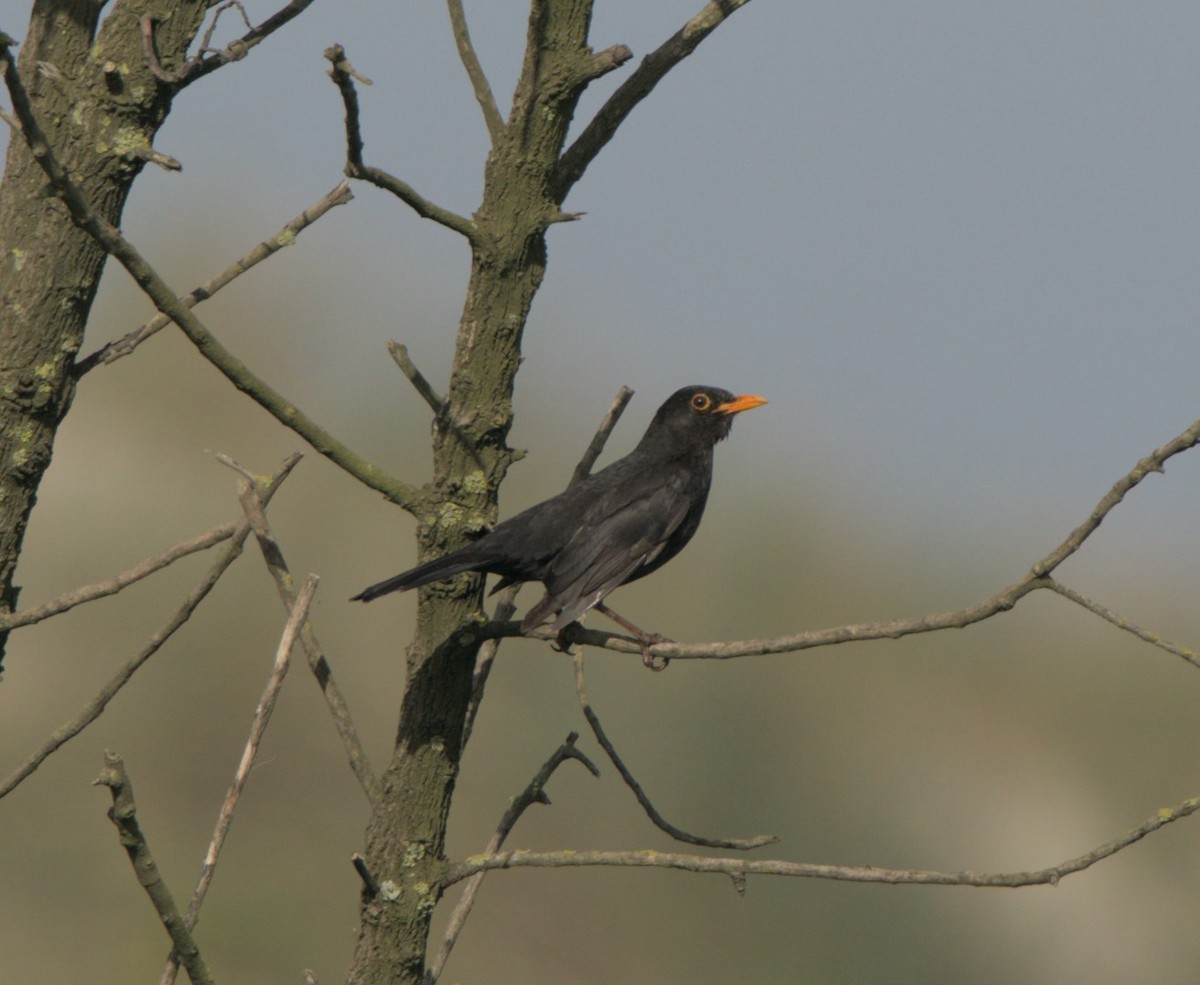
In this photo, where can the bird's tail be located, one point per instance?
(452, 564)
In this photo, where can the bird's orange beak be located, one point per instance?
(747, 401)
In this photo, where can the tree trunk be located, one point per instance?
(406, 835)
(100, 107)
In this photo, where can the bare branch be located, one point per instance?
(608, 60)
(96, 706)
(660, 822)
(740, 867)
(250, 495)
(123, 814)
(470, 61)
(286, 236)
(110, 586)
(399, 354)
(258, 727)
(370, 883)
(165, 299)
(1147, 636)
(575, 160)
(343, 74)
(1002, 601)
(600, 438)
(534, 793)
(209, 61)
(1153, 462)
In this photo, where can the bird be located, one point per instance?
(617, 525)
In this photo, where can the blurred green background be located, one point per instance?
(955, 248)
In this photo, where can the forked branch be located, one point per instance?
(167, 302)
(286, 236)
(206, 60)
(534, 793)
(123, 814)
(343, 75)
(95, 707)
(633, 90)
(250, 495)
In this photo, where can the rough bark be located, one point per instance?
(101, 107)
(406, 836)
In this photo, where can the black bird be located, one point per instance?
(617, 525)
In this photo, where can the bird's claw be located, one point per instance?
(650, 660)
(561, 643)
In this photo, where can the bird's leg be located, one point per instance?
(646, 640)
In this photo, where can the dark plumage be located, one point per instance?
(615, 526)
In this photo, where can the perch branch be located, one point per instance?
(343, 75)
(1002, 601)
(641, 82)
(739, 868)
(250, 494)
(470, 61)
(123, 814)
(165, 299)
(96, 706)
(258, 728)
(286, 236)
(534, 793)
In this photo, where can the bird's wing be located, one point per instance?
(616, 538)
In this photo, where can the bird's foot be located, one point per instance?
(562, 643)
(651, 660)
(645, 640)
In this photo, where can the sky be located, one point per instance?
(955, 245)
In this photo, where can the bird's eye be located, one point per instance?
(701, 401)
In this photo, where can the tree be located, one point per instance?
(139, 64)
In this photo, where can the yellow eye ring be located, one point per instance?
(701, 401)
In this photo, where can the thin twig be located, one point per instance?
(94, 708)
(112, 351)
(739, 868)
(343, 75)
(1146, 635)
(506, 603)
(123, 814)
(371, 888)
(534, 793)
(258, 727)
(250, 496)
(660, 822)
(600, 438)
(111, 586)
(470, 61)
(400, 356)
(165, 299)
(208, 61)
(633, 90)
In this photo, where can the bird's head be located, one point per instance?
(699, 416)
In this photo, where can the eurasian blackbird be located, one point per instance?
(615, 526)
